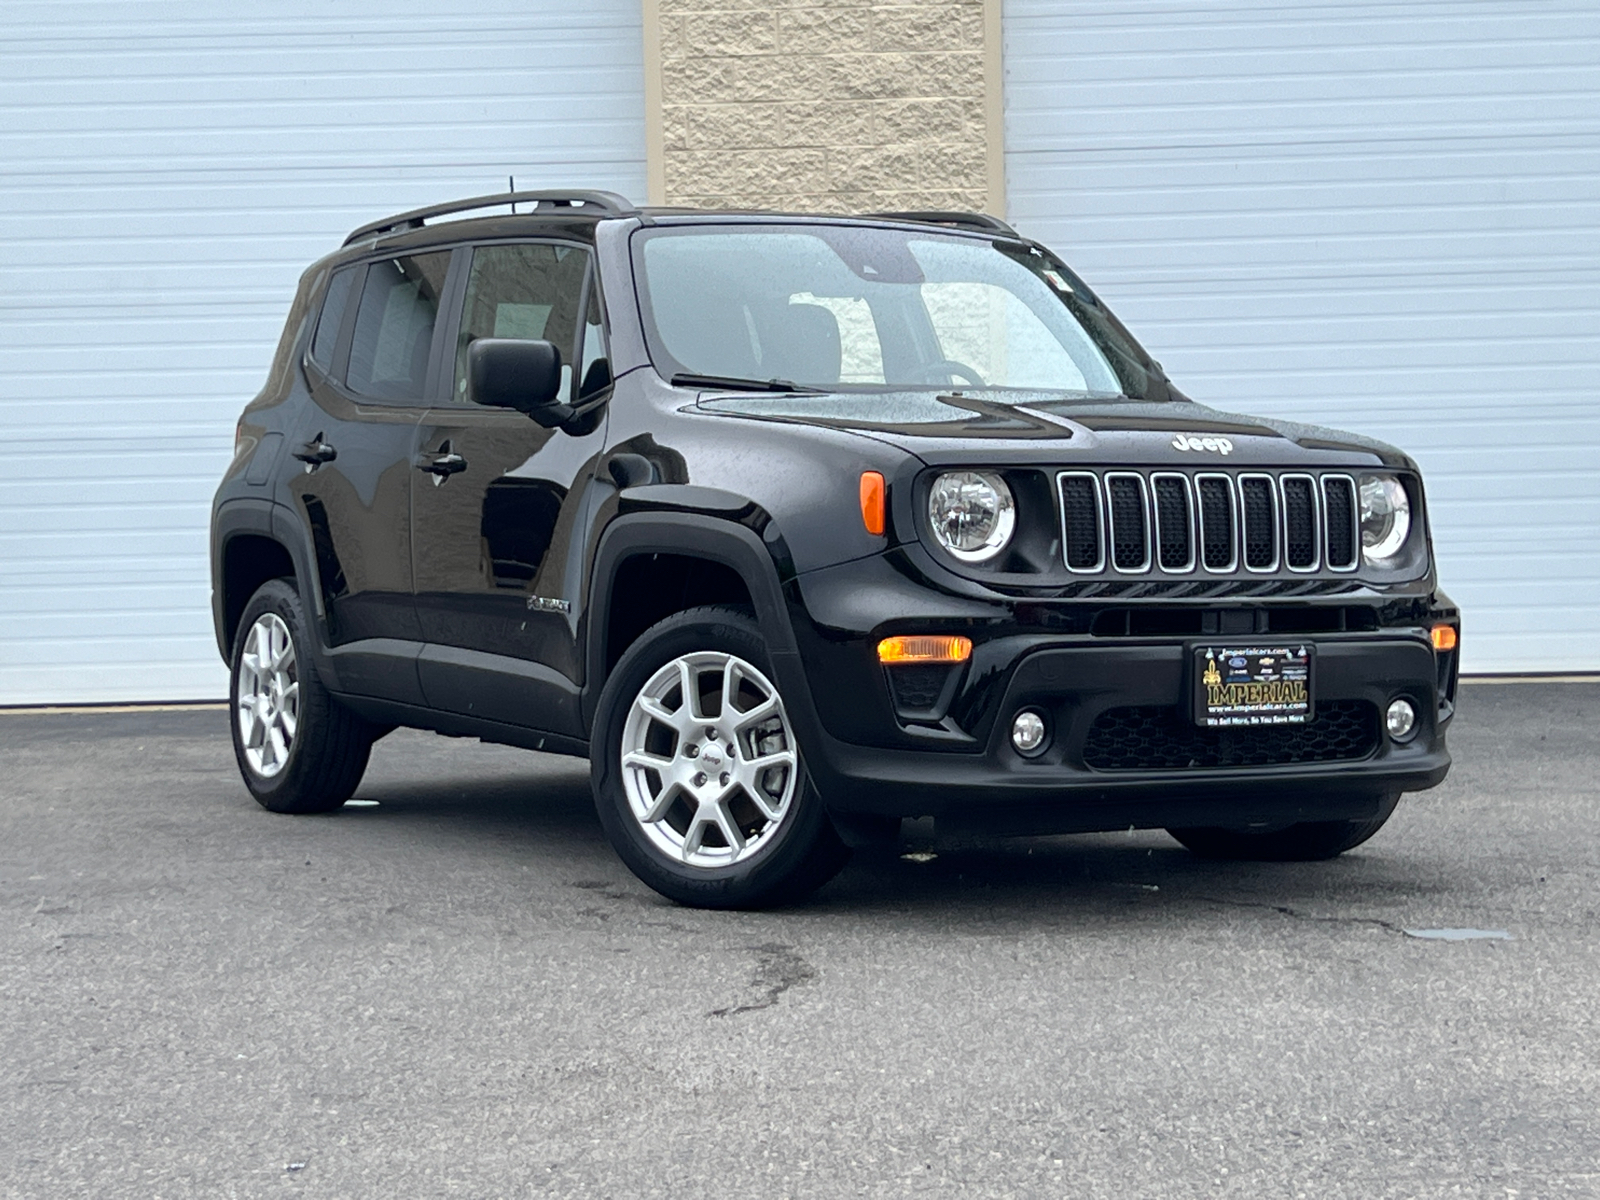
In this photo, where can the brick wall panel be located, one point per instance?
(834, 105)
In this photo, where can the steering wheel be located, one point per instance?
(948, 367)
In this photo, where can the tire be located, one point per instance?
(1310, 841)
(298, 748)
(697, 818)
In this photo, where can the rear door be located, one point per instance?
(496, 500)
(369, 368)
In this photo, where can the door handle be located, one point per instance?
(442, 463)
(316, 452)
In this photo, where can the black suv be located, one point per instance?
(798, 525)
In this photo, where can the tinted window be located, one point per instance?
(523, 291)
(333, 306)
(394, 326)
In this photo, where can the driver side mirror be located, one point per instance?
(520, 374)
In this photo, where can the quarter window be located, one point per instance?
(336, 299)
(394, 326)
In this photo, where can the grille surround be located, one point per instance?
(1263, 519)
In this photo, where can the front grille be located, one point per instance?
(1151, 738)
(1207, 523)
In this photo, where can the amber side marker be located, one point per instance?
(925, 649)
(872, 492)
(1444, 637)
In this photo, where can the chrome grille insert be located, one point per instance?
(1258, 502)
(1218, 523)
(1342, 522)
(1302, 549)
(1130, 522)
(1174, 512)
(1082, 530)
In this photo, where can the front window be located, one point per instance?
(858, 308)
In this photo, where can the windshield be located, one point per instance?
(858, 308)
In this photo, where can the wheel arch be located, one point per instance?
(653, 551)
(250, 547)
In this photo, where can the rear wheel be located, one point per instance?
(299, 749)
(697, 773)
(1309, 841)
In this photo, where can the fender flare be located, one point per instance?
(729, 543)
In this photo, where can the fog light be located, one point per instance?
(1027, 733)
(1401, 720)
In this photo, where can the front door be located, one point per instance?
(368, 368)
(496, 501)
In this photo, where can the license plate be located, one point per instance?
(1253, 684)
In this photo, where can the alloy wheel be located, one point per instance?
(709, 763)
(268, 697)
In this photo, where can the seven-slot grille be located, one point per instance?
(1210, 522)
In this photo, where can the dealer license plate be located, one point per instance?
(1253, 684)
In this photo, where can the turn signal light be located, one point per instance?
(1444, 638)
(872, 492)
(925, 649)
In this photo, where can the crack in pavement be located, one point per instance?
(778, 968)
(1285, 910)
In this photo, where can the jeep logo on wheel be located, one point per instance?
(1186, 441)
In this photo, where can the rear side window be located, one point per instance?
(334, 302)
(394, 326)
(524, 291)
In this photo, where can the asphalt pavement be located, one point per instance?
(460, 991)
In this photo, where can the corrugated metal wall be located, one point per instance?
(1380, 216)
(166, 172)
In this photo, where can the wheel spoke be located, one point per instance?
(729, 828)
(686, 681)
(661, 802)
(657, 711)
(643, 758)
(280, 747)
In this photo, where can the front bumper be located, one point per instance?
(1078, 688)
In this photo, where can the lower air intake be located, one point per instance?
(1162, 739)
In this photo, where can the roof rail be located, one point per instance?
(961, 220)
(606, 204)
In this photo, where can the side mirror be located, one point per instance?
(513, 373)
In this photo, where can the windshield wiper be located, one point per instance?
(735, 384)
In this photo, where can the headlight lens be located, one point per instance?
(1385, 517)
(972, 514)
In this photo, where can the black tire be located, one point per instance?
(328, 751)
(796, 855)
(1310, 841)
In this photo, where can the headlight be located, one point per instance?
(972, 514)
(1385, 517)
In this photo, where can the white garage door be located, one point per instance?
(166, 172)
(1378, 216)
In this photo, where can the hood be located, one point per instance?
(943, 427)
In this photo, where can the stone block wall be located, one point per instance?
(833, 105)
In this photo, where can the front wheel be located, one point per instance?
(1309, 841)
(697, 773)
